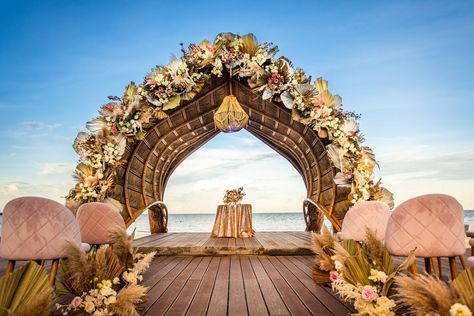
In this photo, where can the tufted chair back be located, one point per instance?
(433, 224)
(366, 214)
(36, 228)
(96, 220)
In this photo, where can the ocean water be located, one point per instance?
(291, 221)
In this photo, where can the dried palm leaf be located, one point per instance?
(384, 195)
(130, 94)
(172, 103)
(357, 269)
(106, 264)
(23, 287)
(39, 305)
(464, 287)
(424, 295)
(84, 170)
(249, 44)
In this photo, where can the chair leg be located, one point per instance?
(440, 268)
(453, 266)
(54, 271)
(10, 266)
(434, 263)
(428, 265)
(413, 269)
(463, 262)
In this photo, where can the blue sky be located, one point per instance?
(406, 66)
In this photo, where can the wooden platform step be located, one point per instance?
(201, 244)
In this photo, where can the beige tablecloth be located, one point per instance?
(233, 220)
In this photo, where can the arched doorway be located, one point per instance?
(151, 162)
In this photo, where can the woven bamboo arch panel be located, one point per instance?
(151, 161)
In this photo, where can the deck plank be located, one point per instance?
(253, 295)
(203, 295)
(272, 298)
(164, 302)
(237, 300)
(184, 299)
(291, 300)
(219, 297)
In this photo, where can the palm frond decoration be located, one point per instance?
(24, 290)
(464, 287)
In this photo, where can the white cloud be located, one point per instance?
(55, 168)
(40, 125)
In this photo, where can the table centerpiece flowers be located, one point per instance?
(234, 196)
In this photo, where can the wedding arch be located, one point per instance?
(132, 148)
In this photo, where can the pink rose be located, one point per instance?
(76, 301)
(333, 276)
(368, 293)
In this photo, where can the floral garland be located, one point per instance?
(127, 119)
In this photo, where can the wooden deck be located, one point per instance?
(237, 285)
(264, 243)
(269, 274)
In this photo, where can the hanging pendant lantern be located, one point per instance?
(230, 116)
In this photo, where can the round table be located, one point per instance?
(233, 220)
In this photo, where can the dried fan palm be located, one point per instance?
(39, 305)
(24, 290)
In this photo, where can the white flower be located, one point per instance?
(459, 310)
(130, 277)
(89, 305)
(112, 300)
(116, 280)
(338, 265)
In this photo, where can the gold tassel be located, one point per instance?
(230, 116)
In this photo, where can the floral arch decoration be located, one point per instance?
(124, 122)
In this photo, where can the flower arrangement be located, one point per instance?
(128, 118)
(361, 273)
(426, 295)
(104, 281)
(234, 196)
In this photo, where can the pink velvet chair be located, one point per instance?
(366, 214)
(96, 220)
(36, 228)
(434, 225)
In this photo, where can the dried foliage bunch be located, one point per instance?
(128, 118)
(105, 281)
(426, 295)
(234, 196)
(26, 292)
(362, 273)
